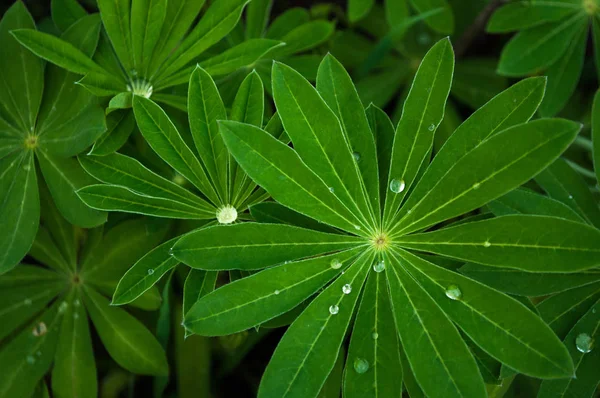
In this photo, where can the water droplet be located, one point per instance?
(26, 167)
(75, 315)
(375, 335)
(27, 301)
(62, 307)
(134, 72)
(570, 196)
(334, 309)
(357, 227)
(397, 186)
(171, 252)
(476, 185)
(453, 292)
(487, 243)
(150, 271)
(361, 365)
(76, 303)
(379, 266)
(335, 264)
(431, 127)
(40, 329)
(331, 189)
(356, 156)
(30, 359)
(593, 310)
(584, 343)
(226, 214)
(346, 289)
(277, 292)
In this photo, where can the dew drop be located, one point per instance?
(375, 335)
(62, 307)
(487, 243)
(27, 301)
(397, 186)
(453, 292)
(476, 185)
(431, 127)
(331, 189)
(346, 289)
(171, 252)
(379, 266)
(356, 156)
(76, 303)
(75, 315)
(30, 359)
(584, 343)
(276, 292)
(357, 227)
(361, 365)
(150, 271)
(335, 264)
(570, 196)
(334, 309)
(40, 329)
(26, 167)
(226, 214)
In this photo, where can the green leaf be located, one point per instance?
(515, 336)
(246, 53)
(197, 285)
(123, 171)
(145, 273)
(57, 51)
(383, 132)
(257, 18)
(205, 107)
(66, 12)
(279, 170)
(319, 140)
(533, 49)
(115, 198)
(563, 183)
(29, 356)
(147, 17)
(162, 135)
(101, 85)
(274, 213)
(441, 20)
(64, 177)
(374, 340)
(21, 73)
(120, 125)
(489, 170)
(476, 81)
(286, 22)
(438, 356)
(251, 246)
(116, 19)
(304, 37)
(524, 242)
(358, 9)
(520, 15)
(19, 207)
(74, 372)
(127, 341)
(596, 134)
(564, 74)
(45, 250)
(300, 370)
(522, 201)
(336, 87)
(266, 295)
(422, 112)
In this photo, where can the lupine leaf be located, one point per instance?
(520, 15)
(116, 17)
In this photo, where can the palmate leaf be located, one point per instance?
(441, 328)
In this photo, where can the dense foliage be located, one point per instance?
(361, 198)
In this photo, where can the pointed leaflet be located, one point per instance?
(279, 170)
(286, 22)
(383, 131)
(19, 207)
(145, 273)
(245, 53)
(304, 37)
(66, 12)
(521, 15)
(21, 73)
(586, 364)
(336, 87)
(357, 9)
(438, 356)
(205, 107)
(500, 164)
(74, 371)
(126, 339)
(197, 285)
(528, 243)
(299, 370)
(275, 213)
(533, 49)
(374, 340)
(147, 17)
(120, 125)
(45, 251)
(503, 327)
(319, 139)
(257, 18)
(116, 19)
(162, 135)
(513, 106)
(253, 300)
(422, 112)
(441, 19)
(251, 246)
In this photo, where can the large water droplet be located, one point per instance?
(431, 127)
(356, 156)
(487, 243)
(150, 271)
(379, 266)
(334, 309)
(584, 343)
(40, 329)
(276, 292)
(397, 186)
(226, 214)
(346, 289)
(453, 292)
(361, 365)
(335, 264)
(331, 189)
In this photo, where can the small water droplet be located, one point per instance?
(134, 73)
(570, 196)
(453, 292)
(375, 335)
(40, 329)
(584, 343)
(397, 186)
(334, 309)
(277, 292)
(335, 264)
(76, 303)
(357, 227)
(30, 359)
(379, 266)
(26, 167)
(476, 185)
(361, 365)
(431, 127)
(346, 289)
(27, 301)
(331, 189)
(356, 156)
(62, 307)
(75, 315)
(487, 243)
(171, 252)
(593, 310)
(150, 271)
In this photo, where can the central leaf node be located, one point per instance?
(381, 241)
(31, 141)
(226, 214)
(591, 6)
(140, 87)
